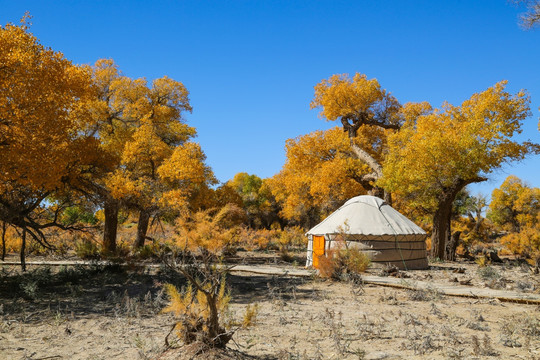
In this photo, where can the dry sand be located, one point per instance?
(115, 315)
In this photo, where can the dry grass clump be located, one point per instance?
(428, 294)
(338, 263)
(484, 347)
(342, 341)
(520, 331)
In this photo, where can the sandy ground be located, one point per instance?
(113, 314)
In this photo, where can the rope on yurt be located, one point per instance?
(395, 237)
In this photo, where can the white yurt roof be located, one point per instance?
(366, 215)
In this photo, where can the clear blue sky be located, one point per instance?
(250, 66)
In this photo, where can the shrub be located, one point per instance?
(261, 239)
(199, 314)
(329, 266)
(292, 238)
(202, 308)
(341, 261)
(87, 249)
(482, 261)
(488, 273)
(355, 260)
(154, 250)
(214, 232)
(525, 243)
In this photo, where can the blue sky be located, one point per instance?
(250, 66)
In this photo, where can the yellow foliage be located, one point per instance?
(193, 311)
(525, 243)
(515, 205)
(179, 303)
(274, 239)
(250, 317)
(185, 165)
(214, 232)
(203, 315)
(141, 128)
(470, 236)
(341, 96)
(342, 260)
(12, 239)
(454, 143)
(82, 243)
(292, 237)
(251, 239)
(324, 169)
(42, 97)
(482, 261)
(318, 174)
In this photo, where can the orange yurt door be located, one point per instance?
(318, 249)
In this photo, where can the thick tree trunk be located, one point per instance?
(452, 246)
(142, 228)
(443, 214)
(388, 197)
(4, 228)
(441, 229)
(111, 225)
(23, 249)
(376, 191)
(367, 158)
(367, 180)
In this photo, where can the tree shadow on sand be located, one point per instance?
(115, 290)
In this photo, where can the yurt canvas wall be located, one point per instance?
(367, 222)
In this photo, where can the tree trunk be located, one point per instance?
(219, 337)
(111, 225)
(441, 229)
(213, 326)
(369, 160)
(23, 249)
(376, 191)
(4, 228)
(368, 180)
(388, 198)
(452, 246)
(443, 214)
(142, 228)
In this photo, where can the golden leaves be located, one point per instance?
(357, 98)
(318, 173)
(185, 164)
(142, 130)
(208, 230)
(455, 142)
(514, 205)
(341, 96)
(41, 102)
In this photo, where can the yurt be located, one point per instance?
(369, 223)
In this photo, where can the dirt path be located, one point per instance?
(410, 284)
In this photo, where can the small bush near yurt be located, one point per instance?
(355, 260)
(338, 262)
